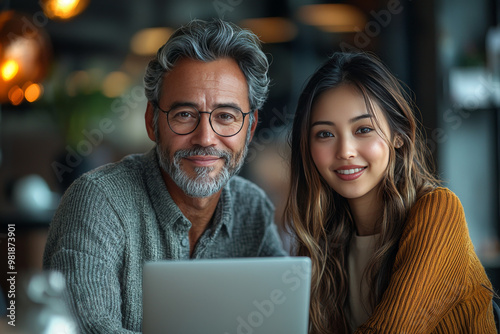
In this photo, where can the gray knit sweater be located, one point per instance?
(113, 219)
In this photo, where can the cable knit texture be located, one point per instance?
(438, 284)
(113, 219)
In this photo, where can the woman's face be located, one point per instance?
(347, 145)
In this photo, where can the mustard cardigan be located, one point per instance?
(437, 284)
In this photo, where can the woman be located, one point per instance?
(390, 248)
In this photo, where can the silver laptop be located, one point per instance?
(227, 296)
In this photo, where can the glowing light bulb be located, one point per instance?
(63, 9)
(66, 6)
(9, 70)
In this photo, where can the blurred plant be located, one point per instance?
(74, 114)
(74, 102)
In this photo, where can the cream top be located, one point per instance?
(361, 249)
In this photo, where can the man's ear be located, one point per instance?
(150, 111)
(254, 124)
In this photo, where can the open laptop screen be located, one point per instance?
(227, 296)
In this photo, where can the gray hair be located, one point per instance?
(208, 41)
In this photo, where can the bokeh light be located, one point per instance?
(146, 42)
(115, 84)
(78, 82)
(63, 9)
(25, 55)
(33, 92)
(16, 95)
(9, 69)
(336, 18)
(271, 29)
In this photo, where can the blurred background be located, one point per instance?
(72, 98)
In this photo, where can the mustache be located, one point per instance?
(199, 150)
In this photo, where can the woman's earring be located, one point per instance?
(398, 143)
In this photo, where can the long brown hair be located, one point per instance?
(321, 220)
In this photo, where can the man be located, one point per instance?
(179, 201)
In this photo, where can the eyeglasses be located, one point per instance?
(225, 121)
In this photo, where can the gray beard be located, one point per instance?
(202, 185)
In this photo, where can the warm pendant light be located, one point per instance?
(63, 9)
(25, 54)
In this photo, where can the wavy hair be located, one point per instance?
(208, 41)
(320, 219)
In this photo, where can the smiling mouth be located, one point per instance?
(202, 157)
(349, 171)
(203, 160)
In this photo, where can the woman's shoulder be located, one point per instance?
(438, 199)
(438, 209)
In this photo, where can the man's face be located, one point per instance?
(201, 163)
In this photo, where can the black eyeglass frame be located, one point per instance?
(199, 120)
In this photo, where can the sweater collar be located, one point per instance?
(223, 215)
(168, 212)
